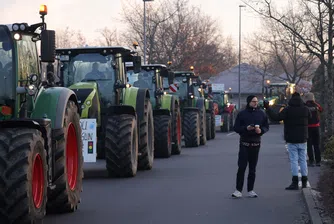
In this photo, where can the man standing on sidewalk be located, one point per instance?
(313, 142)
(250, 124)
(295, 117)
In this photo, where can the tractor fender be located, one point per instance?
(121, 109)
(142, 95)
(196, 109)
(158, 112)
(51, 103)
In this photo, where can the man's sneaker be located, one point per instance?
(237, 194)
(252, 194)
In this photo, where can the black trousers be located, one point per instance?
(313, 143)
(248, 155)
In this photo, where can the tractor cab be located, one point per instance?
(20, 71)
(96, 74)
(279, 93)
(187, 85)
(150, 77)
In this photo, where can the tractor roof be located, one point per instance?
(101, 50)
(185, 73)
(154, 66)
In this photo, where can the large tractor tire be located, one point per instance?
(208, 126)
(23, 176)
(162, 136)
(146, 139)
(213, 125)
(177, 131)
(191, 129)
(203, 126)
(226, 125)
(121, 146)
(68, 164)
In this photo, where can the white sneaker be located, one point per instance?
(237, 194)
(252, 194)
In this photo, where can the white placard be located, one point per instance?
(218, 87)
(88, 128)
(218, 119)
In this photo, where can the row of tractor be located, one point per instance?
(65, 107)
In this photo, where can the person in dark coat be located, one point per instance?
(295, 117)
(313, 142)
(251, 123)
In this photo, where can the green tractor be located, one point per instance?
(278, 95)
(123, 114)
(203, 92)
(166, 109)
(184, 84)
(40, 135)
(224, 110)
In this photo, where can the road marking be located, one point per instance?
(229, 134)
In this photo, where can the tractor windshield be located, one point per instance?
(182, 87)
(165, 83)
(91, 68)
(142, 80)
(7, 76)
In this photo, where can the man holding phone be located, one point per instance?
(251, 123)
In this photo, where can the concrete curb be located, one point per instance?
(311, 206)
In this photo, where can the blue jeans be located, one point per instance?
(297, 153)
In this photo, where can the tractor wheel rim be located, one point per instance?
(38, 181)
(178, 129)
(72, 157)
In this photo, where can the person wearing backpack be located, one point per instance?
(313, 142)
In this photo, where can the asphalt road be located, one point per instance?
(193, 188)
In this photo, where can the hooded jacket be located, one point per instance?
(295, 117)
(315, 109)
(251, 116)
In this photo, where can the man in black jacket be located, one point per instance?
(295, 117)
(250, 124)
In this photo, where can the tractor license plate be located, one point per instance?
(88, 129)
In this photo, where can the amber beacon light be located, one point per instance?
(43, 10)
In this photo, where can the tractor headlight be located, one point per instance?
(88, 102)
(31, 90)
(192, 96)
(17, 36)
(83, 106)
(271, 102)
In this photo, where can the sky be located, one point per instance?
(88, 15)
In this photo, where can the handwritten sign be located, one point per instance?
(218, 120)
(88, 135)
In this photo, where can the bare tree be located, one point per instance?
(69, 38)
(315, 33)
(108, 37)
(181, 33)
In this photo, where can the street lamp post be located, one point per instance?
(239, 104)
(145, 28)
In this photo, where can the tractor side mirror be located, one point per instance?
(48, 46)
(136, 64)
